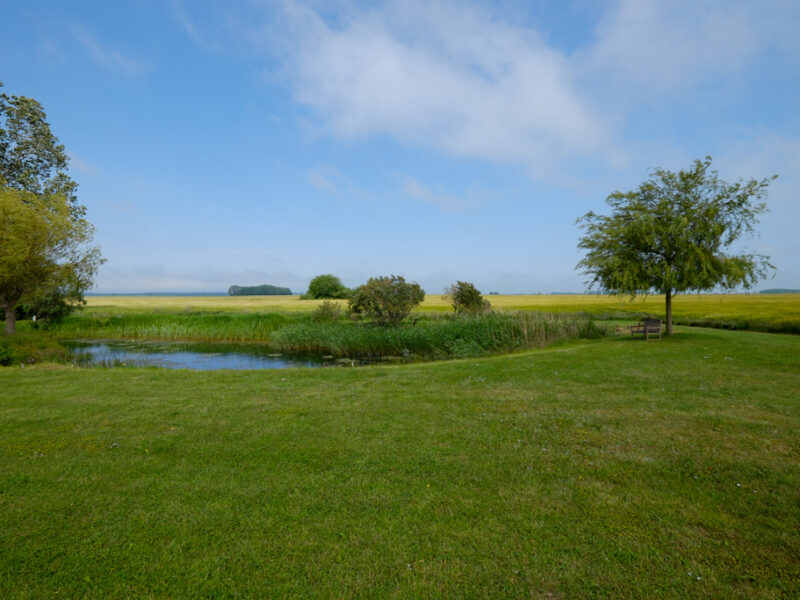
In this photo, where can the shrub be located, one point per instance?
(466, 299)
(6, 357)
(49, 307)
(387, 299)
(327, 311)
(326, 286)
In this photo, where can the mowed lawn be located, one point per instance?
(605, 469)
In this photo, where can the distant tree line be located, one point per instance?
(258, 290)
(779, 291)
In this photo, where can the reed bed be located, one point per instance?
(437, 337)
(194, 326)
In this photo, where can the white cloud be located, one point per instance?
(321, 179)
(646, 49)
(442, 200)
(441, 75)
(106, 57)
(189, 27)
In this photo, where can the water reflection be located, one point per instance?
(183, 355)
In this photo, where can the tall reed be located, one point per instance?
(198, 326)
(437, 337)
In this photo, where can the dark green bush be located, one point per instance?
(326, 286)
(388, 299)
(466, 299)
(6, 357)
(48, 308)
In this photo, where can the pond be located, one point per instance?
(185, 355)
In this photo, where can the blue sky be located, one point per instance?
(220, 143)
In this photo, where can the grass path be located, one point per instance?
(613, 468)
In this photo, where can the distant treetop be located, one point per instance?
(258, 290)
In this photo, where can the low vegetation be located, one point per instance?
(605, 469)
(444, 337)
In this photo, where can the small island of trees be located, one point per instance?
(258, 290)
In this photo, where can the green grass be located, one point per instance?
(778, 313)
(606, 469)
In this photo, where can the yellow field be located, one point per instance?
(757, 307)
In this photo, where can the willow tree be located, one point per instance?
(673, 233)
(43, 247)
(46, 257)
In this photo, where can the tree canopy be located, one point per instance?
(670, 235)
(326, 286)
(466, 299)
(46, 259)
(387, 299)
(258, 290)
(31, 157)
(44, 249)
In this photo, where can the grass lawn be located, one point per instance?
(606, 469)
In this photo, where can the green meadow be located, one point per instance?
(593, 467)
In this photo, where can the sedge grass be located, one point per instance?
(614, 468)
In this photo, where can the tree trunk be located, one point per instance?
(669, 312)
(11, 319)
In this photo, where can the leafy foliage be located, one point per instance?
(326, 286)
(387, 299)
(466, 299)
(669, 235)
(49, 306)
(45, 252)
(327, 311)
(259, 290)
(31, 158)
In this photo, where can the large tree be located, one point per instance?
(31, 157)
(671, 235)
(45, 251)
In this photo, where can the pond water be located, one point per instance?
(183, 355)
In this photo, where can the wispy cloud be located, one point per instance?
(447, 76)
(647, 49)
(322, 180)
(82, 165)
(464, 79)
(444, 201)
(190, 28)
(107, 57)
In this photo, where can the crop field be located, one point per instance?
(760, 312)
(608, 468)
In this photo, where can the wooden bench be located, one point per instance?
(648, 328)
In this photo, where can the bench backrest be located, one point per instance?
(651, 323)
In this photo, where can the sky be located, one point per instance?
(256, 141)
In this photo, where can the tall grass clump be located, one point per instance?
(431, 337)
(196, 326)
